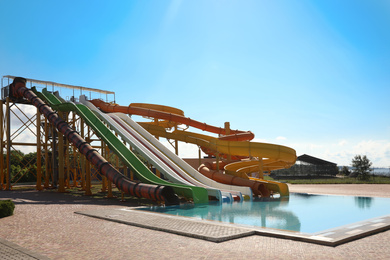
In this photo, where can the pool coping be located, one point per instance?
(215, 231)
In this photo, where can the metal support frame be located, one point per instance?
(50, 169)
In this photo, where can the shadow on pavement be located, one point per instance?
(32, 196)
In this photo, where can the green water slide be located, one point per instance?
(197, 194)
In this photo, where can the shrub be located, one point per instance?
(6, 208)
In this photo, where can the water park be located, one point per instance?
(84, 141)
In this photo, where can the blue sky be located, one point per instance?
(312, 75)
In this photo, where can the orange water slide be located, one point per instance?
(172, 115)
(259, 188)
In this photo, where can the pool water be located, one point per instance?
(299, 212)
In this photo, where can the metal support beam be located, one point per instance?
(88, 168)
(39, 153)
(61, 175)
(54, 154)
(1, 145)
(261, 168)
(176, 144)
(47, 177)
(104, 178)
(8, 118)
(82, 158)
(227, 132)
(109, 183)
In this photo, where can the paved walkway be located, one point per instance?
(45, 222)
(9, 250)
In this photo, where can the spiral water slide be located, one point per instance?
(153, 192)
(196, 194)
(233, 143)
(163, 159)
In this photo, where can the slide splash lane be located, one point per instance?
(234, 190)
(197, 194)
(269, 156)
(149, 152)
(153, 192)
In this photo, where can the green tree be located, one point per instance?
(345, 171)
(362, 167)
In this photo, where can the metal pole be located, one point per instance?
(109, 183)
(46, 184)
(1, 144)
(261, 168)
(176, 144)
(88, 168)
(8, 118)
(104, 178)
(82, 158)
(67, 159)
(61, 175)
(227, 132)
(39, 155)
(75, 157)
(200, 156)
(54, 154)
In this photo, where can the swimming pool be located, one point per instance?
(300, 212)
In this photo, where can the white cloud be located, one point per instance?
(281, 138)
(342, 142)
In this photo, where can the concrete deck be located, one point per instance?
(44, 222)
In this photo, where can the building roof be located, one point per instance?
(313, 160)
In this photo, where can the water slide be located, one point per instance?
(275, 156)
(161, 157)
(154, 156)
(247, 192)
(196, 194)
(157, 193)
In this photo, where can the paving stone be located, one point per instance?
(11, 251)
(45, 222)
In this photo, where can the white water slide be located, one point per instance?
(173, 168)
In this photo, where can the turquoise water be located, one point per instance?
(300, 212)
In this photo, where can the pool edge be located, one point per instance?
(217, 232)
